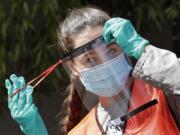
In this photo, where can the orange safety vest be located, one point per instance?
(156, 120)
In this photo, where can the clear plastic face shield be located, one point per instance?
(102, 79)
(104, 70)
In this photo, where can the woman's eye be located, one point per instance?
(88, 62)
(111, 51)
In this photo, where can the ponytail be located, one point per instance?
(72, 109)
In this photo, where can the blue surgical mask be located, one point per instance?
(107, 79)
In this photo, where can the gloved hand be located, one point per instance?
(22, 108)
(123, 33)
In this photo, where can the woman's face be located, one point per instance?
(95, 56)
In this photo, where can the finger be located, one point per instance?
(29, 98)
(129, 28)
(22, 84)
(16, 85)
(110, 28)
(10, 90)
(125, 33)
(12, 77)
(22, 94)
(9, 87)
(108, 33)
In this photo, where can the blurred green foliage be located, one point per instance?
(155, 12)
(28, 40)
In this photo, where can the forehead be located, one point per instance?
(87, 35)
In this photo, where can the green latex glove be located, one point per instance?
(123, 33)
(22, 108)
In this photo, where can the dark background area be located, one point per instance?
(28, 44)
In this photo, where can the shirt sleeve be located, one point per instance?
(159, 67)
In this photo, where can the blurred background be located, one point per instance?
(28, 44)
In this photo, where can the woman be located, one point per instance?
(101, 66)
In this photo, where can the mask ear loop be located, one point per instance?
(41, 77)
